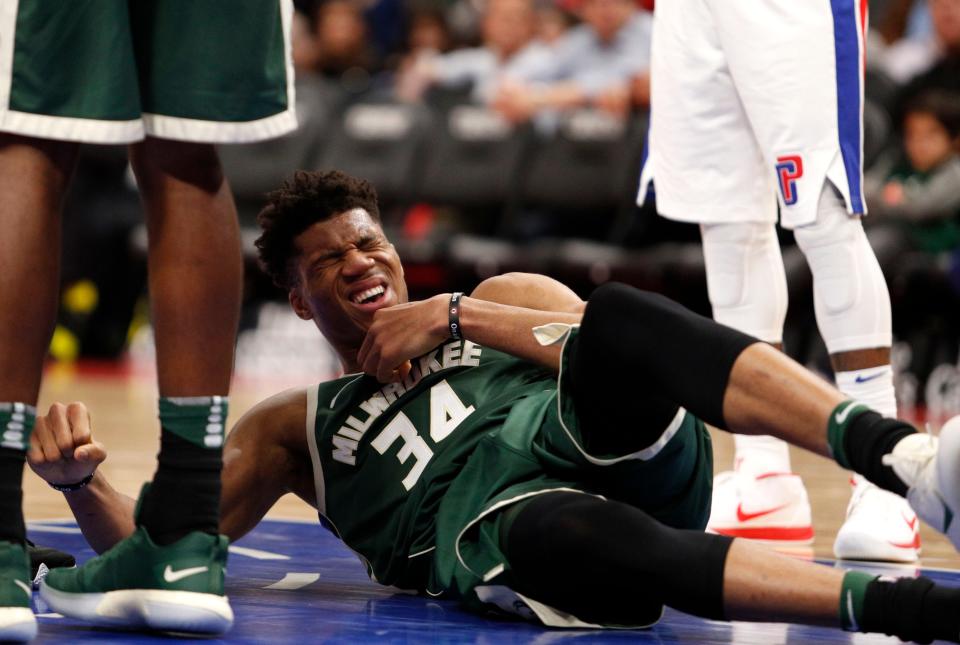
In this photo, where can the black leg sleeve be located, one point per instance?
(650, 354)
(611, 563)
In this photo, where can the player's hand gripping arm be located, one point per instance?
(500, 314)
(63, 451)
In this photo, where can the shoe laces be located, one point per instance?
(910, 464)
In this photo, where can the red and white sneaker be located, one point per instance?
(879, 526)
(769, 507)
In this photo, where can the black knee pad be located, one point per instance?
(609, 562)
(659, 345)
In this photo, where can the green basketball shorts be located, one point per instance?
(114, 71)
(540, 449)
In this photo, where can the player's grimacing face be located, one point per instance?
(347, 269)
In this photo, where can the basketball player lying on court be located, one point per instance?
(522, 445)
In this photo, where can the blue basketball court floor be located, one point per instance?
(292, 582)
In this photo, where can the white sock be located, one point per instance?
(872, 386)
(760, 454)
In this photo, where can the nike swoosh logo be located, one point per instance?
(172, 576)
(744, 517)
(915, 544)
(23, 585)
(863, 379)
(911, 522)
(842, 415)
(854, 627)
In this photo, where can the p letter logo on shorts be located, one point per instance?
(789, 170)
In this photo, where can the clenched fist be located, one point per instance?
(62, 449)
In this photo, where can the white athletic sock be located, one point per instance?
(872, 386)
(759, 454)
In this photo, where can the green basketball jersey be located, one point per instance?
(387, 454)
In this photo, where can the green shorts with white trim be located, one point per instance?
(539, 449)
(114, 71)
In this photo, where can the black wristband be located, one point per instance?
(454, 311)
(68, 488)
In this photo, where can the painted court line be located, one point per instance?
(49, 528)
(293, 581)
(257, 553)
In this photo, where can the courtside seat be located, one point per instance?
(880, 88)
(478, 257)
(473, 160)
(380, 142)
(590, 165)
(877, 130)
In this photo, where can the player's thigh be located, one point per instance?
(67, 71)
(213, 71)
(703, 159)
(798, 69)
(674, 485)
(671, 478)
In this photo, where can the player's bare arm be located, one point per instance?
(264, 458)
(531, 291)
(63, 451)
(499, 314)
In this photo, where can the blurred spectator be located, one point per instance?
(552, 22)
(428, 32)
(508, 49)
(916, 53)
(945, 73)
(919, 192)
(595, 63)
(387, 26)
(427, 36)
(914, 227)
(303, 42)
(343, 50)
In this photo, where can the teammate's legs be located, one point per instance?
(33, 180)
(195, 274)
(203, 78)
(195, 288)
(578, 553)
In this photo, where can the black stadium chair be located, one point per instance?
(591, 164)
(877, 131)
(880, 88)
(380, 142)
(473, 159)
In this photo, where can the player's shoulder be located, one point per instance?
(282, 409)
(291, 406)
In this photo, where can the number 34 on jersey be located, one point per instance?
(446, 412)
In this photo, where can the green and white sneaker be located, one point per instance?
(138, 584)
(17, 622)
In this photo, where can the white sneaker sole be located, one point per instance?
(863, 547)
(156, 609)
(17, 624)
(773, 536)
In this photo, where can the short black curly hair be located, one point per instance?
(943, 105)
(305, 199)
